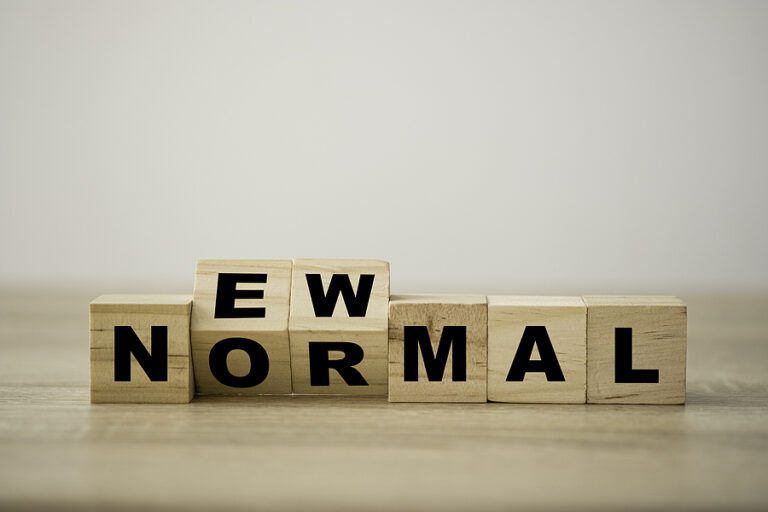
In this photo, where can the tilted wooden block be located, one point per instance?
(438, 348)
(537, 349)
(140, 349)
(636, 350)
(239, 328)
(338, 326)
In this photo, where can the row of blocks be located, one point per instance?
(329, 326)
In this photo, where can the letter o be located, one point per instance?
(217, 360)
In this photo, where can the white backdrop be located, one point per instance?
(494, 146)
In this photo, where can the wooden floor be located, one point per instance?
(58, 451)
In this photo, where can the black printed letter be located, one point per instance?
(416, 337)
(521, 364)
(227, 292)
(325, 303)
(624, 371)
(320, 363)
(127, 343)
(217, 360)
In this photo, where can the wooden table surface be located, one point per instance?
(58, 451)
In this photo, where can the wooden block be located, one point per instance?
(239, 329)
(338, 326)
(438, 348)
(537, 349)
(140, 349)
(636, 350)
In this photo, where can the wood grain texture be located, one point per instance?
(565, 320)
(659, 337)
(369, 331)
(59, 452)
(270, 332)
(141, 313)
(156, 303)
(435, 313)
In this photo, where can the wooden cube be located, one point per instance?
(239, 329)
(140, 349)
(338, 326)
(636, 350)
(438, 348)
(537, 349)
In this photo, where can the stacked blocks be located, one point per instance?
(239, 329)
(140, 349)
(329, 326)
(338, 326)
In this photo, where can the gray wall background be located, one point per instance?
(494, 146)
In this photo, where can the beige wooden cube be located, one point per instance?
(438, 348)
(537, 349)
(139, 349)
(239, 329)
(636, 349)
(338, 326)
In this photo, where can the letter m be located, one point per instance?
(453, 337)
